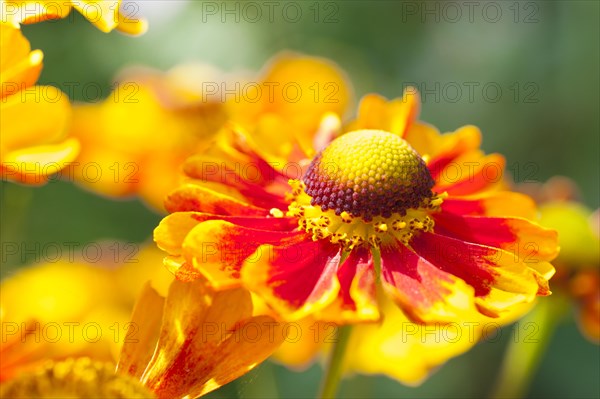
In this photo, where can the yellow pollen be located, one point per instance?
(350, 231)
(277, 213)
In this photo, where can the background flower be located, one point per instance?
(30, 148)
(73, 308)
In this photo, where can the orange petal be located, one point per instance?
(424, 138)
(442, 149)
(191, 197)
(500, 280)
(306, 339)
(395, 116)
(142, 335)
(406, 351)
(207, 339)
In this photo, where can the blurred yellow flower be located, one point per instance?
(283, 107)
(168, 351)
(106, 15)
(33, 144)
(73, 308)
(137, 139)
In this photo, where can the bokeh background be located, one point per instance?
(543, 56)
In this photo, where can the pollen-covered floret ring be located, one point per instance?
(368, 173)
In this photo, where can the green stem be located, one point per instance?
(532, 335)
(336, 361)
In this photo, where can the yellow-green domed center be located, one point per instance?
(368, 173)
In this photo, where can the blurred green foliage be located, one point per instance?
(543, 55)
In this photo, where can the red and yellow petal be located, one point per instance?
(424, 291)
(499, 279)
(499, 204)
(469, 174)
(525, 239)
(231, 166)
(207, 339)
(173, 229)
(217, 248)
(295, 280)
(357, 299)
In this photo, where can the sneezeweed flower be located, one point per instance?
(167, 352)
(375, 209)
(135, 140)
(72, 308)
(31, 148)
(106, 15)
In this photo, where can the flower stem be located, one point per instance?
(336, 361)
(532, 335)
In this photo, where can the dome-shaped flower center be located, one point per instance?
(75, 378)
(368, 187)
(368, 173)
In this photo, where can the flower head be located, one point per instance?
(377, 207)
(141, 134)
(30, 148)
